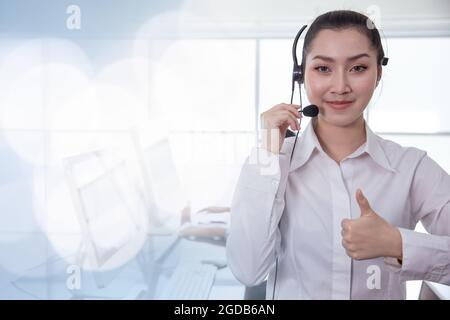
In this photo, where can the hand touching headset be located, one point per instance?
(281, 116)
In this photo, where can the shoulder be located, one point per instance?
(400, 156)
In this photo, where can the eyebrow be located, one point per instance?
(349, 59)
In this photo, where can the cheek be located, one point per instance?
(366, 82)
(315, 87)
(364, 86)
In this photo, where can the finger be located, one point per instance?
(362, 202)
(349, 253)
(292, 108)
(294, 125)
(278, 120)
(291, 119)
(345, 224)
(285, 122)
(344, 244)
(353, 254)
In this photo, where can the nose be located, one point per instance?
(340, 83)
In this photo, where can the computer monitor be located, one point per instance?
(169, 209)
(112, 219)
(164, 194)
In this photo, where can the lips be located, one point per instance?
(339, 105)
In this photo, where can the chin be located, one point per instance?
(343, 120)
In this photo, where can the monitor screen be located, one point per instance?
(167, 193)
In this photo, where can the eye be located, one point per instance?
(322, 69)
(359, 68)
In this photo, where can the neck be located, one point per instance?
(339, 142)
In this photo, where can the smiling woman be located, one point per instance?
(342, 70)
(338, 216)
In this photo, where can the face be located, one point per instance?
(341, 66)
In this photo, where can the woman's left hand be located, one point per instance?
(370, 236)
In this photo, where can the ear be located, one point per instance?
(379, 73)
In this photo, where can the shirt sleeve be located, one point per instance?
(427, 256)
(256, 209)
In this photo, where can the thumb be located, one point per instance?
(363, 203)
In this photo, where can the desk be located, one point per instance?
(39, 283)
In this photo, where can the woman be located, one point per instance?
(337, 221)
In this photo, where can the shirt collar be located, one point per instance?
(308, 143)
(374, 148)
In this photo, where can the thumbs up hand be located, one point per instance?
(370, 236)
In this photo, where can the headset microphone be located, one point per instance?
(310, 111)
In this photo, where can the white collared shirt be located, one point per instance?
(292, 213)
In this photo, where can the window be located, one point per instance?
(414, 83)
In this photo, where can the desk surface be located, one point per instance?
(38, 283)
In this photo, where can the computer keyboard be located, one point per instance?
(191, 282)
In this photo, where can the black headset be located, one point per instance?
(309, 111)
(298, 77)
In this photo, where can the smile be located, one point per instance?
(339, 105)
